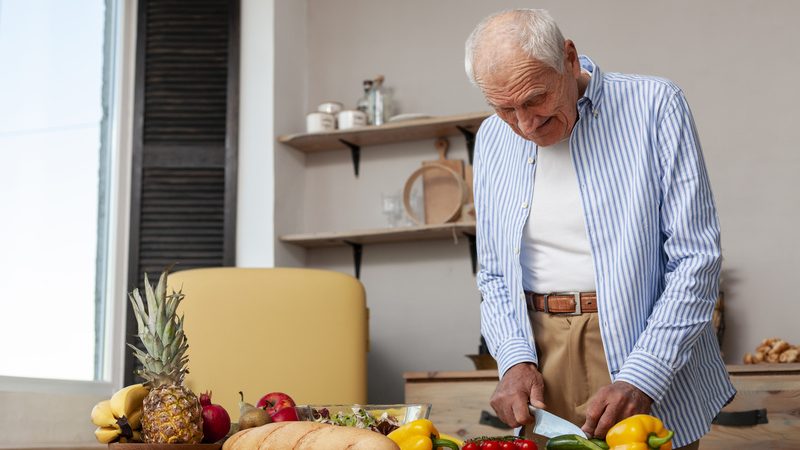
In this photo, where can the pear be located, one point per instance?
(250, 416)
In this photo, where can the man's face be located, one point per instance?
(536, 101)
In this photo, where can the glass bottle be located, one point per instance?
(363, 103)
(379, 101)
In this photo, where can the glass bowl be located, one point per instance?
(386, 417)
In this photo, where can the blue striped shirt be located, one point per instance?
(654, 235)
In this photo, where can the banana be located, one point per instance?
(120, 417)
(106, 434)
(137, 437)
(102, 415)
(135, 419)
(128, 400)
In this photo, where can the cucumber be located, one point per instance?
(575, 442)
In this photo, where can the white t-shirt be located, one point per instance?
(555, 253)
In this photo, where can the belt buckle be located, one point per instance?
(575, 294)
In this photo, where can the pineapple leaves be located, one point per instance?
(160, 330)
(138, 309)
(161, 289)
(152, 305)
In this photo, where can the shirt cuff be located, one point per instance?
(646, 372)
(513, 352)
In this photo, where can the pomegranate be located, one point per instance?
(216, 421)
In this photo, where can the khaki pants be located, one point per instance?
(572, 363)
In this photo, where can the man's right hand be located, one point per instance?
(521, 384)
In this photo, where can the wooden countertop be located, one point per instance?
(735, 370)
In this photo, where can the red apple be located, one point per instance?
(276, 401)
(288, 414)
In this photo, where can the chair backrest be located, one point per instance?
(298, 331)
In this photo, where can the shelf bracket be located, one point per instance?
(358, 250)
(473, 252)
(355, 153)
(469, 136)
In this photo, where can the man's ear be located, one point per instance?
(571, 58)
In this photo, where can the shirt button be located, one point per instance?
(530, 160)
(524, 205)
(516, 251)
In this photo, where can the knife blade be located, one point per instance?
(550, 425)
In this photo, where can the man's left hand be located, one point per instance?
(613, 403)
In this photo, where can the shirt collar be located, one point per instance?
(594, 90)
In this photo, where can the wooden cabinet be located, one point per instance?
(775, 387)
(459, 397)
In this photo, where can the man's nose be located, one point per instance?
(527, 121)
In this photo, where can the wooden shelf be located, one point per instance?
(382, 236)
(408, 130)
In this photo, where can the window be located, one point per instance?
(55, 178)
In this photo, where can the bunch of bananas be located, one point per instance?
(120, 418)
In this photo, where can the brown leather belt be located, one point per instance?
(562, 302)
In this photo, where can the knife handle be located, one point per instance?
(491, 420)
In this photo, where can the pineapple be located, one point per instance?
(172, 413)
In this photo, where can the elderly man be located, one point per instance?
(598, 237)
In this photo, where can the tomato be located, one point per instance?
(508, 445)
(490, 445)
(524, 444)
(471, 446)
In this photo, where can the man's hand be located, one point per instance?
(520, 385)
(613, 403)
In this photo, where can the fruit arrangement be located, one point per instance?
(120, 417)
(163, 410)
(774, 350)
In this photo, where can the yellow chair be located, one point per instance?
(298, 331)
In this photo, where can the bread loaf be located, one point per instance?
(307, 436)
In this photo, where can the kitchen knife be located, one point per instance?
(550, 425)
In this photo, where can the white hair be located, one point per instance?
(534, 30)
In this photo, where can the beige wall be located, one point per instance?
(734, 59)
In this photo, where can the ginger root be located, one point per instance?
(773, 350)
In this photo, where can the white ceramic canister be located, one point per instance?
(330, 107)
(351, 118)
(319, 121)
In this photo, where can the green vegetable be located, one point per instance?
(575, 442)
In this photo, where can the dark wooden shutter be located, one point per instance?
(183, 207)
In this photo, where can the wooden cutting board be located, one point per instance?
(440, 192)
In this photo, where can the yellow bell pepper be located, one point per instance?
(458, 441)
(639, 432)
(420, 435)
